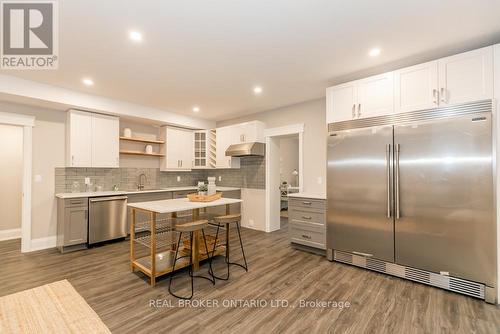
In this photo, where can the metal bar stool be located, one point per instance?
(229, 220)
(191, 228)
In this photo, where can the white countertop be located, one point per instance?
(131, 192)
(179, 204)
(307, 195)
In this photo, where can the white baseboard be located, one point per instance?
(43, 243)
(14, 233)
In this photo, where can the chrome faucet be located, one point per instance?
(140, 185)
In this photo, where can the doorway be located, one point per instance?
(26, 124)
(284, 166)
(11, 179)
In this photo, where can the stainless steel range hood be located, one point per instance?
(246, 149)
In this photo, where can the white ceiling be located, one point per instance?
(212, 53)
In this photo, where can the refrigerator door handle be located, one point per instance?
(388, 167)
(397, 181)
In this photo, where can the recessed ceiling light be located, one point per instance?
(374, 52)
(88, 82)
(257, 90)
(196, 109)
(135, 36)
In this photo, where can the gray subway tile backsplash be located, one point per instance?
(250, 175)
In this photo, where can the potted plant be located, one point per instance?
(202, 189)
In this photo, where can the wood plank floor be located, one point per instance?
(379, 303)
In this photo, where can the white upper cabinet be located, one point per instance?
(375, 96)
(78, 139)
(225, 137)
(461, 78)
(105, 146)
(341, 102)
(92, 140)
(466, 77)
(178, 149)
(247, 132)
(416, 87)
(372, 96)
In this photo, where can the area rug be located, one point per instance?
(51, 308)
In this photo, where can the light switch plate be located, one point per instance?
(178, 179)
(220, 178)
(38, 178)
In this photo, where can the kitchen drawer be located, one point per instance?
(304, 216)
(147, 197)
(306, 203)
(306, 234)
(76, 202)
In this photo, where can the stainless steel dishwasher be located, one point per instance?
(107, 218)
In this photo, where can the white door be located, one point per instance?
(79, 139)
(466, 77)
(105, 141)
(375, 96)
(223, 140)
(340, 102)
(416, 87)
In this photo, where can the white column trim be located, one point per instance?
(26, 205)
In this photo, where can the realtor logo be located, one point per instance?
(29, 35)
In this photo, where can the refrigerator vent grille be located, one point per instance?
(414, 116)
(441, 281)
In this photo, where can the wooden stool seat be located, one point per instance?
(228, 219)
(192, 226)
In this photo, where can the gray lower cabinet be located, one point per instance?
(306, 222)
(72, 224)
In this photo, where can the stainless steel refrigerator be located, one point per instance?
(413, 195)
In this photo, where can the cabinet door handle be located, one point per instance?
(307, 203)
(359, 110)
(353, 111)
(443, 94)
(306, 236)
(435, 96)
(72, 160)
(306, 217)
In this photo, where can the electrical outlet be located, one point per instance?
(87, 180)
(178, 179)
(251, 222)
(220, 178)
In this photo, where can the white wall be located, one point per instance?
(11, 174)
(312, 114)
(289, 160)
(48, 153)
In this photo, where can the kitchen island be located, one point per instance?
(162, 235)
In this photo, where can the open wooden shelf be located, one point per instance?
(141, 140)
(142, 153)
